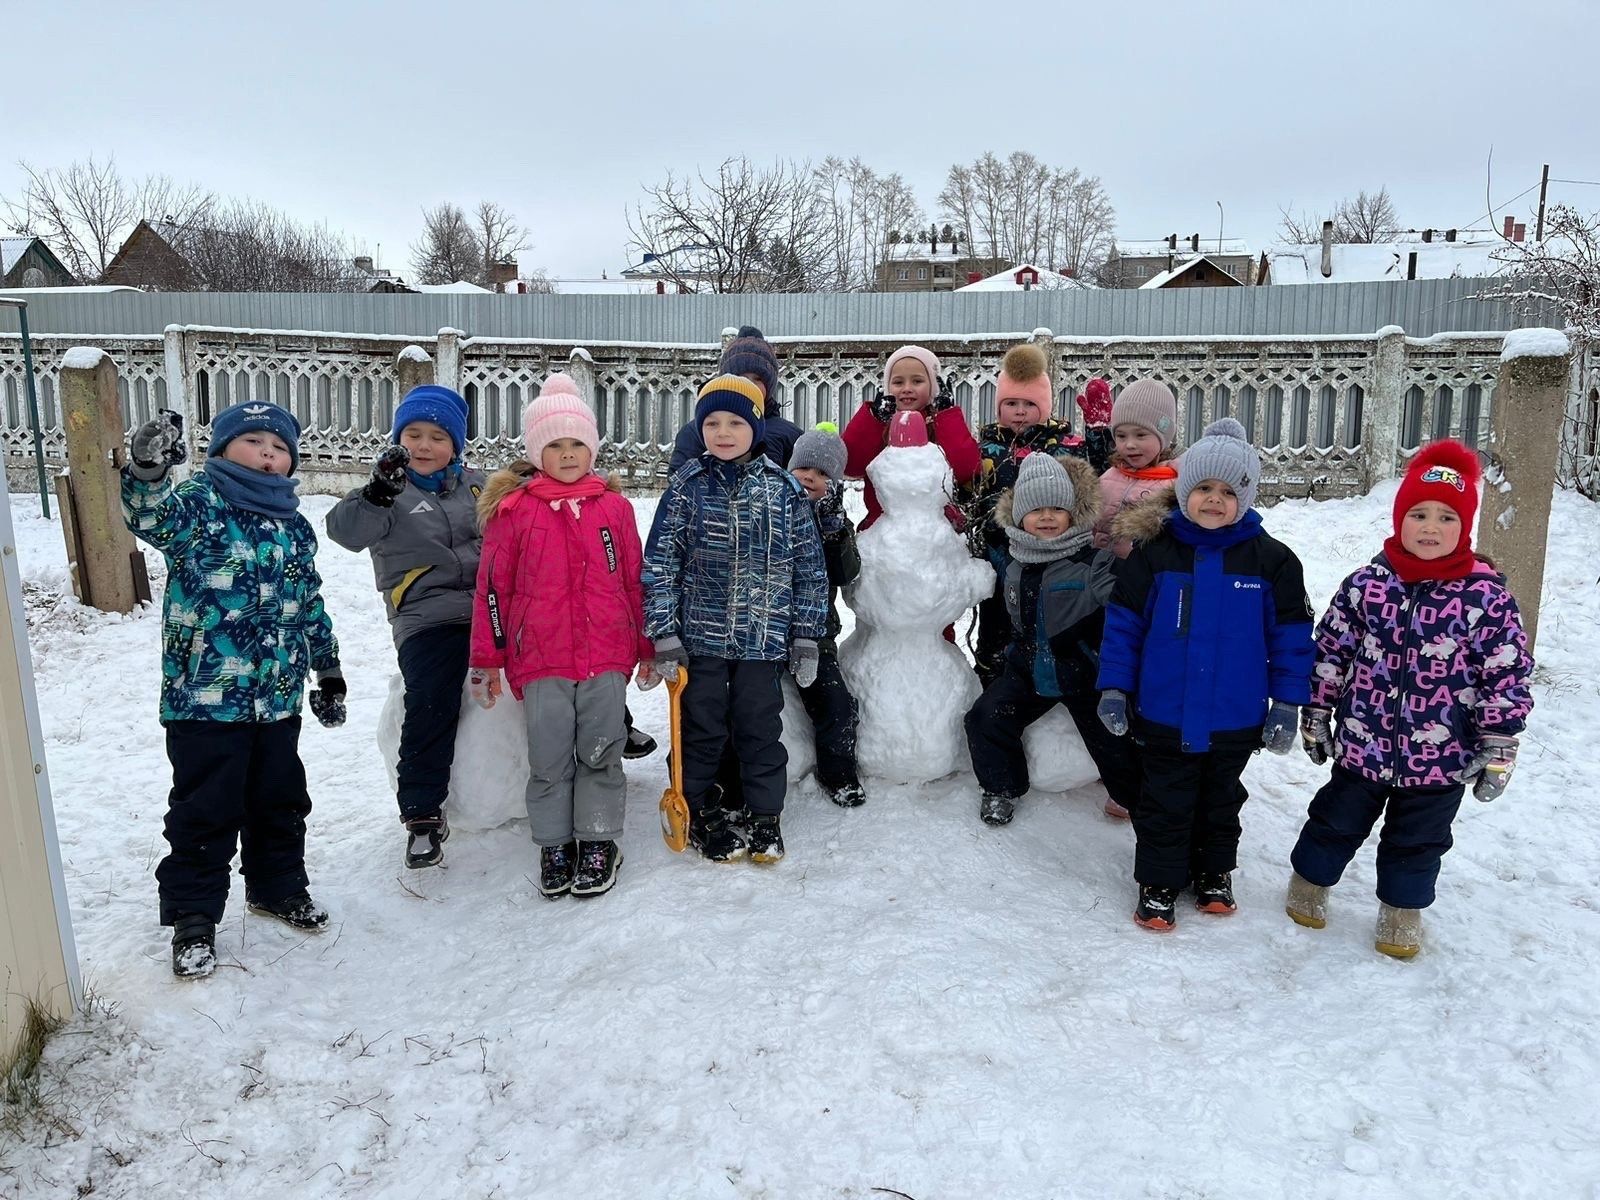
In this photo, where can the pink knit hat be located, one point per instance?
(928, 359)
(559, 412)
(1025, 375)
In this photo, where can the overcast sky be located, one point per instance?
(360, 115)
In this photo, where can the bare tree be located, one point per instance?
(85, 210)
(247, 246)
(1365, 218)
(865, 212)
(449, 249)
(743, 229)
(1023, 210)
(499, 238)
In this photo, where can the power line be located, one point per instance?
(1502, 204)
(1585, 182)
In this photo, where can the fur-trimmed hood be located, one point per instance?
(502, 483)
(1143, 521)
(1085, 486)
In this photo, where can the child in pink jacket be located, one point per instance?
(559, 610)
(1144, 421)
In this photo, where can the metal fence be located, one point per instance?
(1331, 414)
(1421, 307)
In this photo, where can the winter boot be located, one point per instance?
(299, 911)
(717, 838)
(996, 810)
(1158, 908)
(766, 840)
(424, 841)
(1307, 902)
(640, 744)
(848, 795)
(597, 868)
(1399, 931)
(1214, 894)
(1114, 810)
(556, 866)
(194, 947)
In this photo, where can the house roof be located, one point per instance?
(1166, 277)
(13, 247)
(1006, 281)
(1477, 255)
(1158, 248)
(460, 285)
(922, 252)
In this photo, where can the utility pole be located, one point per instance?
(1544, 182)
(1219, 226)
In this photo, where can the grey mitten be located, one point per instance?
(1113, 712)
(803, 659)
(1277, 735)
(670, 655)
(157, 446)
(1490, 769)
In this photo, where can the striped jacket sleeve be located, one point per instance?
(662, 575)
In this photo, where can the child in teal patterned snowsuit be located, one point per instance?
(242, 626)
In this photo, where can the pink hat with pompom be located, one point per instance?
(558, 412)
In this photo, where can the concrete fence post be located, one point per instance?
(1384, 407)
(413, 368)
(98, 542)
(180, 396)
(447, 360)
(1525, 448)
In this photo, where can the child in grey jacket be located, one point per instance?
(418, 517)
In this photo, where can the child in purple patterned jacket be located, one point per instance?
(1420, 688)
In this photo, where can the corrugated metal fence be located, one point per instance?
(1420, 307)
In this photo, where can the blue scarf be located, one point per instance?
(1242, 530)
(254, 491)
(435, 481)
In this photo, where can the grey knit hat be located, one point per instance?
(821, 449)
(1149, 405)
(1223, 452)
(1042, 482)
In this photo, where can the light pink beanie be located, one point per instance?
(559, 412)
(928, 359)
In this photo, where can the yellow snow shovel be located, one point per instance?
(674, 804)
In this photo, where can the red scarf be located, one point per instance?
(555, 493)
(1458, 564)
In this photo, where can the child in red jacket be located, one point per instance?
(910, 382)
(559, 609)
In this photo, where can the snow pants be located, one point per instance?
(1186, 819)
(996, 723)
(433, 663)
(576, 735)
(235, 785)
(834, 716)
(735, 704)
(1415, 835)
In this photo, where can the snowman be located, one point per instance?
(917, 577)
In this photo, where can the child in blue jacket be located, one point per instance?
(735, 588)
(1208, 635)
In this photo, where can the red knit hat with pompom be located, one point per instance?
(1444, 471)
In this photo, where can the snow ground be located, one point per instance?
(912, 1001)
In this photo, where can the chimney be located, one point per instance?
(661, 287)
(1327, 249)
(1427, 235)
(1520, 232)
(1509, 231)
(1172, 241)
(1194, 242)
(1449, 235)
(364, 263)
(1411, 265)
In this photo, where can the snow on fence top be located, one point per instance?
(1535, 343)
(82, 358)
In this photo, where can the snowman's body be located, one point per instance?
(917, 577)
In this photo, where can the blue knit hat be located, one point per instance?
(733, 394)
(431, 402)
(254, 416)
(750, 354)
